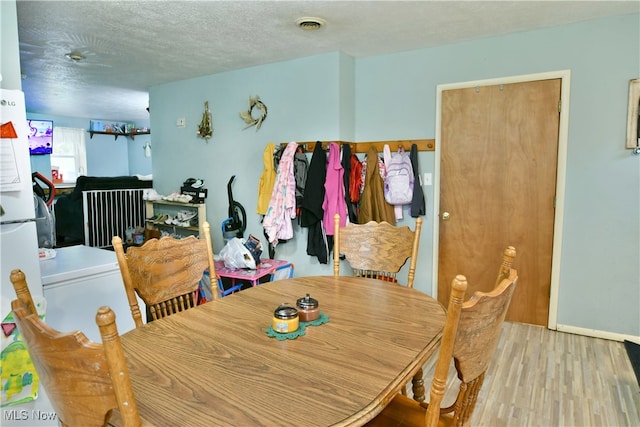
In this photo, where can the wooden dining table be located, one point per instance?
(215, 364)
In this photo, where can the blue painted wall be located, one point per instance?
(332, 96)
(304, 103)
(106, 156)
(9, 51)
(600, 273)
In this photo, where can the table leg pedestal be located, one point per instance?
(417, 386)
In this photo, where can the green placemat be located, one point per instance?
(302, 326)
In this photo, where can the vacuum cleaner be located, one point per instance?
(236, 223)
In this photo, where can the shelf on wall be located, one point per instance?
(131, 135)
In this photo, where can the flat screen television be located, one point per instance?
(40, 136)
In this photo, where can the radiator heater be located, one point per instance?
(109, 213)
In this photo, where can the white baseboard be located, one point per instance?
(597, 334)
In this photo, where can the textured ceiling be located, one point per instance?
(132, 45)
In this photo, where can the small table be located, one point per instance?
(266, 267)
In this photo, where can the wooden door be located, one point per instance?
(499, 148)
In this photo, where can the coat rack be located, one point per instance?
(363, 147)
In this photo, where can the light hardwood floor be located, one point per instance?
(540, 377)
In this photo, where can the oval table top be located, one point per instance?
(215, 364)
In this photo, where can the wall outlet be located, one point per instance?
(426, 180)
(181, 122)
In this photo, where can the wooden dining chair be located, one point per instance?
(166, 273)
(376, 249)
(85, 381)
(470, 336)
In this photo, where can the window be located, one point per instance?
(69, 155)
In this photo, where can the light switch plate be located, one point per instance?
(181, 122)
(426, 180)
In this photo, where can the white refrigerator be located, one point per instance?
(18, 248)
(18, 235)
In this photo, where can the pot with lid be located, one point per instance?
(308, 309)
(285, 319)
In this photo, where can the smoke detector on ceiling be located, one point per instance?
(310, 23)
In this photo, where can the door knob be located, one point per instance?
(445, 216)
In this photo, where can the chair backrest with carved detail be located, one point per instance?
(470, 335)
(377, 250)
(472, 345)
(165, 273)
(85, 381)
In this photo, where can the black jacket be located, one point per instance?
(418, 201)
(312, 211)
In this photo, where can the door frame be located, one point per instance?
(563, 138)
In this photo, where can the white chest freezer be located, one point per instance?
(78, 281)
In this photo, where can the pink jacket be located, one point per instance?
(334, 201)
(282, 206)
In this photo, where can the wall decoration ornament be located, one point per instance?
(247, 116)
(633, 119)
(205, 130)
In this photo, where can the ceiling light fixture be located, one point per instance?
(75, 56)
(310, 23)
